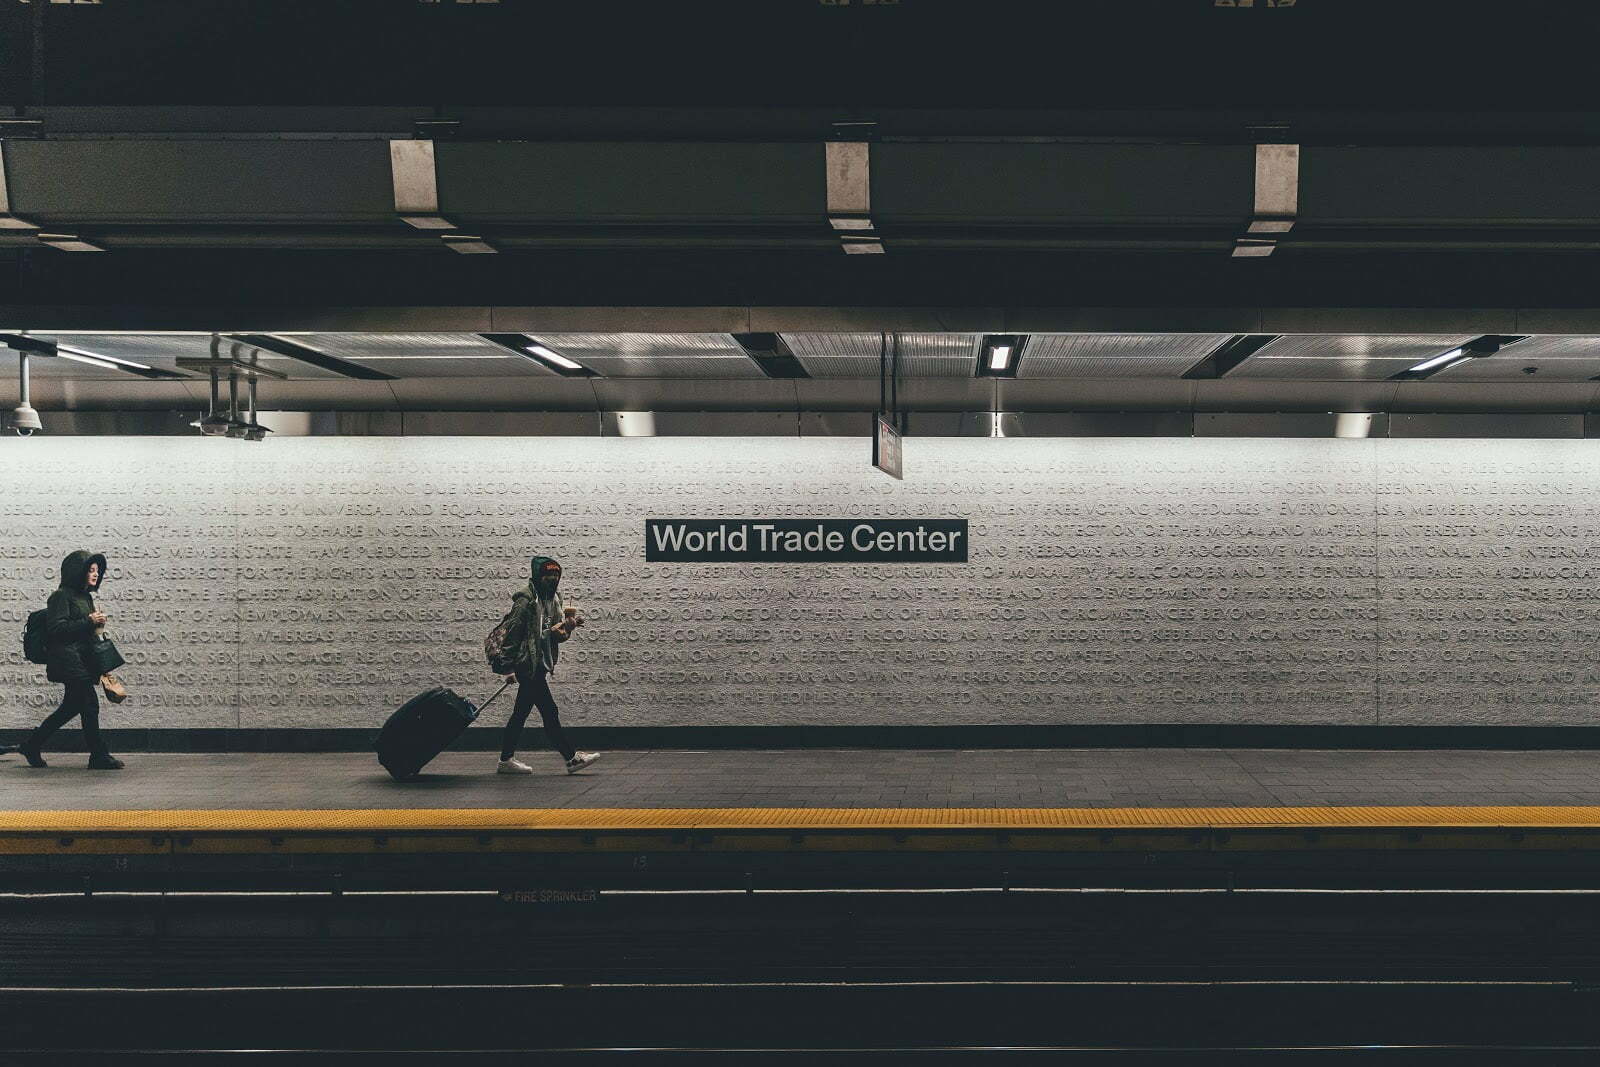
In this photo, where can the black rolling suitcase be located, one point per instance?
(423, 727)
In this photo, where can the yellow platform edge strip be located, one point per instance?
(486, 820)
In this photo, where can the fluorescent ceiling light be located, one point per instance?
(539, 353)
(998, 355)
(94, 357)
(91, 360)
(1436, 361)
(555, 357)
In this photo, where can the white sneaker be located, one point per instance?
(580, 760)
(514, 766)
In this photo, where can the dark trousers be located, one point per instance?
(533, 691)
(79, 700)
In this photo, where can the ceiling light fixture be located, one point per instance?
(536, 351)
(93, 361)
(40, 347)
(1438, 361)
(66, 352)
(555, 357)
(999, 354)
(1476, 348)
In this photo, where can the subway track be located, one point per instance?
(1124, 977)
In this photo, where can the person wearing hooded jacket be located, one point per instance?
(542, 626)
(71, 624)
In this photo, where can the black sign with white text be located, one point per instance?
(805, 540)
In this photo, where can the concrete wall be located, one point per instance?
(321, 581)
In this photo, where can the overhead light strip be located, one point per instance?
(1437, 361)
(1477, 348)
(68, 352)
(39, 346)
(551, 355)
(536, 351)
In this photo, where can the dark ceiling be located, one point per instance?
(1375, 55)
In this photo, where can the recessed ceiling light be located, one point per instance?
(998, 355)
(95, 357)
(536, 351)
(1436, 361)
(555, 357)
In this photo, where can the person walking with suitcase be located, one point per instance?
(72, 624)
(539, 626)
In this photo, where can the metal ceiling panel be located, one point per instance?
(360, 347)
(162, 350)
(1555, 346)
(1344, 357)
(465, 367)
(45, 367)
(1320, 369)
(1412, 347)
(656, 355)
(1508, 366)
(1114, 355)
(855, 355)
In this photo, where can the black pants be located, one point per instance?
(79, 700)
(533, 690)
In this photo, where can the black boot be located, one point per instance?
(30, 752)
(104, 761)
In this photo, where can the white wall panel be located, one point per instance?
(321, 581)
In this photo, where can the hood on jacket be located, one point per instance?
(535, 565)
(75, 567)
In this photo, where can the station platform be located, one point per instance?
(809, 818)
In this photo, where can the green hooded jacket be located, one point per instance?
(67, 626)
(537, 645)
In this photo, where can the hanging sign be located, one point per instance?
(886, 447)
(805, 540)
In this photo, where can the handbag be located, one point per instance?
(116, 692)
(103, 656)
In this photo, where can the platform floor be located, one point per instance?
(789, 779)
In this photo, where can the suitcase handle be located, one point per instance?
(496, 696)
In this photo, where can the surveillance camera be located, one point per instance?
(25, 420)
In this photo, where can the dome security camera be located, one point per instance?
(25, 420)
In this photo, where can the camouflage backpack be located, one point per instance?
(500, 647)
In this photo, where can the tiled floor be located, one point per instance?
(821, 778)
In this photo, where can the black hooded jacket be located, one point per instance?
(67, 625)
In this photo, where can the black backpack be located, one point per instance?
(35, 647)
